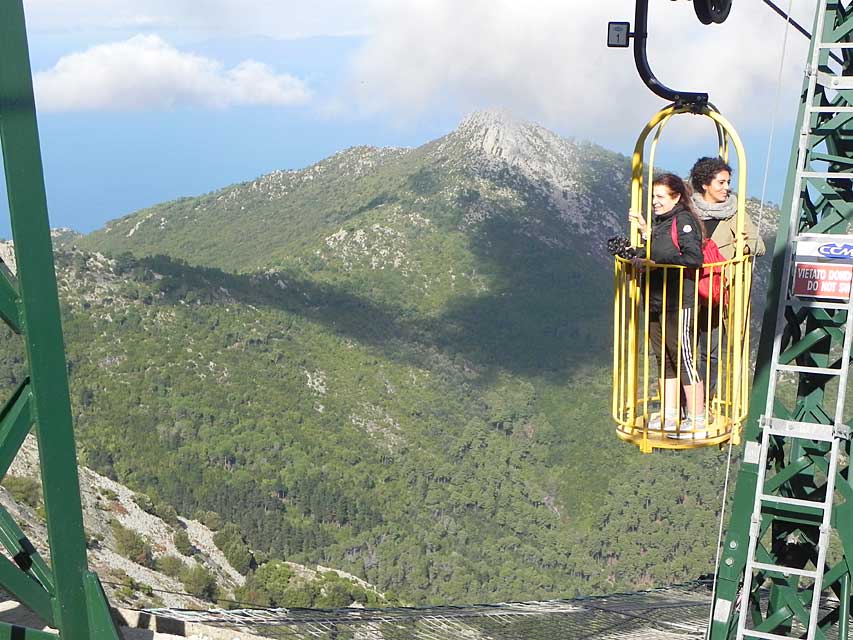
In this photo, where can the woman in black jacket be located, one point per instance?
(675, 238)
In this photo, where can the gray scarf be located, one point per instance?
(715, 211)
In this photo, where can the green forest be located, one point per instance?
(399, 368)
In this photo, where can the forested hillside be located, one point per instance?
(395, 363)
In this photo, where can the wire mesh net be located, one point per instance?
(661, 614)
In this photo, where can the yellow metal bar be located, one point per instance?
(617, 342)
(637, 165)
(632, 353)
(740, 303)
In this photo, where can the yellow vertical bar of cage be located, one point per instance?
(665, 294)
(724, 353)
(666, 271)
(708, 343)
(720, 374)
(723, 373)
(628, 319)
(740, 346)
(744, 398)
(724, 360)
(646, 448)
(694, 338)
(728, 328)
(629, 361)
(616, 379)
(678, 346)
(628, 322)
(637, 194)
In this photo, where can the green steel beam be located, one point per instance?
(809, 336)
(23, 553)
(73, 606)
(27, 591)
(15, 422)
(14, 632)
(844, 607)
(797, 467)
(9, 300)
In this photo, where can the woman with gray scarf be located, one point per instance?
(716, 206)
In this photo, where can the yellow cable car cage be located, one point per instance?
(644, 414)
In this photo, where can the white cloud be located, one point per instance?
(548, 60)
(145, 72)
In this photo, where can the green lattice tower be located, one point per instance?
(800, 385)
(64, 594)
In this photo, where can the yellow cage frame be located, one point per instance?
(634, 393)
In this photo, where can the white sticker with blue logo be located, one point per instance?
(832, 250)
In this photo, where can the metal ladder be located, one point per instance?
(776, 430)
(803, 431)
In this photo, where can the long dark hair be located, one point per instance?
(677, 186)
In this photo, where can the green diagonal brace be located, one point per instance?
(781, 616)
(101, 623)
(26, 590)
(14, 632)
(9, 304)
(23, 552)
(15, 422)
(843, 29)
(836, 122)
(803, 345)
(72, 607)
(786, 474)
(829, 157)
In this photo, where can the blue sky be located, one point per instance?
(142, 101)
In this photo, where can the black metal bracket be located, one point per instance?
(640, 35)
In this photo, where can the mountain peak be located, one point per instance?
(492, 118)
(501, 135)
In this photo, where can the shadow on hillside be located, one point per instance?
(550, 310)
(545, 317)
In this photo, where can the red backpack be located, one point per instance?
(712, 283)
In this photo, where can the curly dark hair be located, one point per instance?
(704, 170)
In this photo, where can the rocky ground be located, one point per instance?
(126, 582)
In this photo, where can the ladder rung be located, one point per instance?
(825, 237)
(778, 568)
(827, 174)
(823, 371)
(830, 109)
(834, 81)
(801, 430)
(817, 304)
(836, 45)
(793, 501)
(749, 633)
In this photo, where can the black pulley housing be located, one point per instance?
(709, 11)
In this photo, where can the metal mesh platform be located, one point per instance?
(661, 614)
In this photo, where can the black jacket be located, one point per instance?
(664, 251)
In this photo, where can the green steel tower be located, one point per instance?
(786, 562)
(64, 593)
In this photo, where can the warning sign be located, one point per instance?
(822, 280)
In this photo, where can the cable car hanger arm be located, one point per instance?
(640, 35)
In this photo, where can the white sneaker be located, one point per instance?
(669, 423)
(692, 427)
